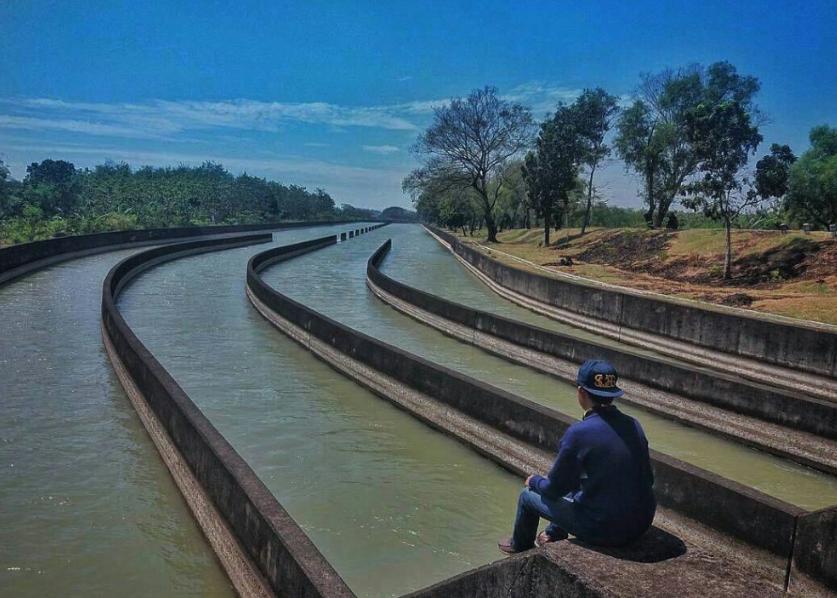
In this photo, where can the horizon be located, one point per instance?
(358, 85)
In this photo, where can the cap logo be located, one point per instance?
(604, 380)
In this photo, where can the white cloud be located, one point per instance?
(380, 149)
(71, 125)
(167, 118)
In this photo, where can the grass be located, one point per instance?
(811, 296)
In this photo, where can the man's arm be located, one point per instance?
(564, 476)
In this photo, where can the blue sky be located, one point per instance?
(333, 94)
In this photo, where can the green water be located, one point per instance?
(333, 281)
(392, 504)
(87, 508)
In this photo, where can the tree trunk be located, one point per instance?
(491, 226)
(586, 220)
(546, 226)
(649, 187)
(728, 250)
(662, 211)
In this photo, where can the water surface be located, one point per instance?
(392, 504)
(418, 260)
(87, 507)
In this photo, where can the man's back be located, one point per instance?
(601, 487)
(615, 481)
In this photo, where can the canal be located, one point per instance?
(392, 504)
(419, 260)
(87, 507)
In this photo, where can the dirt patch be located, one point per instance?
(627, 248)
(737, 300)
(784, 262)
(646, 252)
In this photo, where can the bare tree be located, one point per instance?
(471, 140)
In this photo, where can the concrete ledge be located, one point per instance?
(730, 567)
(263, 539)
(18, 260)
(662, 322)
(815, 552)
(651, 382)
(741, 512)
(521, 576)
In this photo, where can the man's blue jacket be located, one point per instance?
(604, 467)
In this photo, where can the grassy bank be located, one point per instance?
(792, 274)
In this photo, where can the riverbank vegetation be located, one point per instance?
(691, 136)
(56, 198)
(792, 274)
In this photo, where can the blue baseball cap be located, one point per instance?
(599, 378)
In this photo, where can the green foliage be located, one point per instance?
(399, 214)
(594, 110)
(773, 171)
(551, 171)
(812, 184)
(56, 198)
(652, 137)
(350, 212)
(607, 216)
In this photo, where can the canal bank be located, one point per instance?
(418, 261)
(495, 423)
(753, 414)
(384, 499)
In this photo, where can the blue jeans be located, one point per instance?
(531, 506)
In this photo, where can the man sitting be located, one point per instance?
(600, 488)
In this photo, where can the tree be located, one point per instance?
(641, 150)
(652, 138)
(595, 110)
(350, 212)
(53, 185)
(512, 207)
(55, 197)
(551, 171)
(723, 136)
(812, 183)
(472, 139)
(773, 171)
(4, 190)
(398, 214)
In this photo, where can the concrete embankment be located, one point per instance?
(262, 549)
(755, 529)
(767, 349)
(21, 259)
(660, 385)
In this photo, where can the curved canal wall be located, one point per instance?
(687, 330)
(263, 550)
(528, 344)
(18, 260)
(737, 511)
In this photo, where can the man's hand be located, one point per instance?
(529, 479)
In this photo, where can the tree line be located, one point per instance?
(689, 134)
(57, 198)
